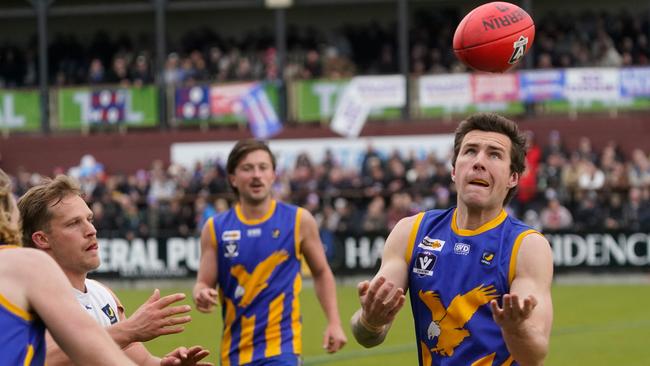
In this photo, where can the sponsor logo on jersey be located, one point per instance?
(275, 233)
(431, 244)
(461, 248)
(231, 249)
(229, 235)
(110, 313)
(487, 258)
(254, 232)
(424, 264)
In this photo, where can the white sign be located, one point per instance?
(351, 113)
(448, 91)
(347, 152)
(362, 94)
(592, 84)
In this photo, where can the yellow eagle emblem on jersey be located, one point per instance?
(447, 323)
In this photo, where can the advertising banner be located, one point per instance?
(541, 85)
(355, 254)
(20, 110)
(316, 100)
(586, 85)
(148, 258)
(218, 103)
(452, 92)
(133, 107)
(495, 88)
(635, 82)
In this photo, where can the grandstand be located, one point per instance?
(111, 94)
(139, 99)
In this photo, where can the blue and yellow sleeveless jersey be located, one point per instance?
(259, 283)
(453, 275)
(22, 335)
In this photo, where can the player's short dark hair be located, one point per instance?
(239, 152)
(492, 122)
(35, 205)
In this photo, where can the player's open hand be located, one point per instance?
(380, 302)
(334, 338)
(205, 298)
(182, 356)
(512, 313)
(156, 317)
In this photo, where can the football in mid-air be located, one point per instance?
(494, 37)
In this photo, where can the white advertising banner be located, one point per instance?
(592, 84)
(348, 153)
(351, 113)
(448, 91)
(362, 94)
(381, 91)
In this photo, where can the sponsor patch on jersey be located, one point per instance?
(110, 313)
(461, 248)
(487, 258)
(254, 232)
(231, 235)
(431, 244)
(231, 249)
(424, 264)
(275, 233)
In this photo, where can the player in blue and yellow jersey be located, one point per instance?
(479, 280)
(33, 295)
(252, 254)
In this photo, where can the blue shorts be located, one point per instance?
(281, 360)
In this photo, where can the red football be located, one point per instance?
(494, 37)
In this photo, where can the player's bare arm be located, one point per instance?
(204, 292)
(48, 292)
(383, 296)
(312, 248)
(526, 314)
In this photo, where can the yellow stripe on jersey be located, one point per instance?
(29, 356)
(426, 354)
(485, 361)
(509, 361)
(227, 332)
(483, 228)
(213, 232)
(296, 325)
(296, 233)
(246, 340)
(245, 221)
(412, 236)
(15, 309)
(273, 331)
(515, 252)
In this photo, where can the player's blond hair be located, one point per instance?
(35, 205)
(9, 233)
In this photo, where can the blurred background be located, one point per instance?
(142, 100)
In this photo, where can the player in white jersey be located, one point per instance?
(58, 221)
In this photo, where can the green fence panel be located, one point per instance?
(20, 110)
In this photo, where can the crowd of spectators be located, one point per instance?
(580, 190)
(568, 40)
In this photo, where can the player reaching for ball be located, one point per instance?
(479, 280)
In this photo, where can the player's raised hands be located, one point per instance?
(512, 313)
(380, 302)
(205, 298)
(183, 356)
(157, 317)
